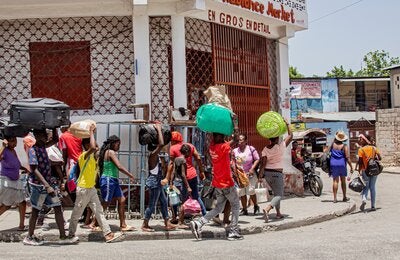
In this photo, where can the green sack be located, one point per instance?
(215, 119)
(271, 124)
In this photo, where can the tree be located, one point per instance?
(376, 61)
(339, 72)
(293, 73)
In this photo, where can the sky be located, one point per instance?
(343, 38)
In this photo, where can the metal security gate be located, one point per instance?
(240, 62)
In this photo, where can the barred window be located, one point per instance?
(61, 70)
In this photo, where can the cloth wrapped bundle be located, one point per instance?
(215, 119)
(270, 125)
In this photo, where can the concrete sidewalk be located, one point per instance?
(297, 211)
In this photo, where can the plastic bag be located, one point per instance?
(357, 184)
(173, 198)
(261, 192)
(191, 207)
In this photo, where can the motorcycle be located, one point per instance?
(311, 178)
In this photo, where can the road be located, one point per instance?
(371, 235)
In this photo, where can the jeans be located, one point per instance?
(194, 185)
(156, 194)
(370, 183)
(226, 194)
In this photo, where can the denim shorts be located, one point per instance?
(40, 197)
(153, 182)
(110, 188)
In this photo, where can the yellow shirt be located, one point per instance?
(87, 177)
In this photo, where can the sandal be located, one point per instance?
(148, 229)
(25, 228)
(112, 237)
(345, 199)
(182, 226)
(89, 226)
(127, 229)
(169, 228)
(96, 229)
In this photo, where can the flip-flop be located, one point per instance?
(127, 229)
(265, 216)
(25, 228)
(169, 228)
(279, 217)
(87, 226)
(115, 237)
(96, 229)
(144, 229)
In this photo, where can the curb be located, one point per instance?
(217, 233)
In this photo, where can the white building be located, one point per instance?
(101, 56)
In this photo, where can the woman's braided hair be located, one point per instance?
(107, 144)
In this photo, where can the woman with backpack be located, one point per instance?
(339, 159)
(367, 151)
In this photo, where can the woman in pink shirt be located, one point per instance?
(272, 163)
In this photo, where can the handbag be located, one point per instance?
(238, 173)
(357, 184)
(191, 207)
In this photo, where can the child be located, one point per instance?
(86, 193)
(153, 182)
(44, 188)
(109, 167)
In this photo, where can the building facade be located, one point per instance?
(101, 56)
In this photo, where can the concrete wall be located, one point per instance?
(388, 135)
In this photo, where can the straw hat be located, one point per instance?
(340, 136)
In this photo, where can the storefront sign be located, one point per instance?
(309, 89)
(289, 11)
(238, 22)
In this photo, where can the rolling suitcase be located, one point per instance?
(39, 113)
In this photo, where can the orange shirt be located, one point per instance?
(220, 155)
(366, 152)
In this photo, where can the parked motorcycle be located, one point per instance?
(311, 178)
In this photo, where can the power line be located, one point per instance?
(336, 11)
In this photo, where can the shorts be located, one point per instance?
(40, 197)
(249, 190)
(110, 188)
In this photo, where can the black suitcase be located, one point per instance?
(39, 113)
(12, 130)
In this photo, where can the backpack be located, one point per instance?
(374, 166)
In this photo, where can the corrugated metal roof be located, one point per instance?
(392, 67)
(364, 79)
(342, 116)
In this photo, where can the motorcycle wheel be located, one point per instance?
(316, 185)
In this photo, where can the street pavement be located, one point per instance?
(297, 211)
